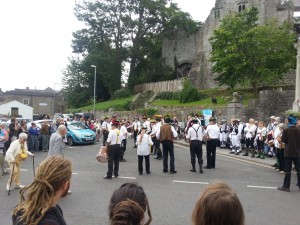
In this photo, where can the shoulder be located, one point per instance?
(54, 216)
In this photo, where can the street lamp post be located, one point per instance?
(54, 99)
(95, 67)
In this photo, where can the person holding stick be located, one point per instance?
(17, 153)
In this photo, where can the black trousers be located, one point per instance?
(135, 134)
(105, 136)
(123, 148)
(280, 158)
(157, 148)
(114, 153)
(147, 163)
(288, 168)
(211, 148)
(168, 149)
(196, 150)
(249, 143)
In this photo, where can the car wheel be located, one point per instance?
(70, 141)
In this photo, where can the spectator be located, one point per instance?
(3, 139)
(56, 144)
(218, 204)
(45, 136)
(128, 205)
(33, 138)
(39, 200)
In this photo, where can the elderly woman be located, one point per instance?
(3, 139)
(16, 153)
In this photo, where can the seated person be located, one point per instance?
(218, 205)
(128, 205)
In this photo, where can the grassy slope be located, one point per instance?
(104, 105)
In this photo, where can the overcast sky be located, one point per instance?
(36, 39)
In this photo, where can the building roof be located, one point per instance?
(16, 102)
(48, 92)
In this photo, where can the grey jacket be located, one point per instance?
(56, 145)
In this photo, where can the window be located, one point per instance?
(14, 111)
(217, 14)
(241, 8)
(26, 101)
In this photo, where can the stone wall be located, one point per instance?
(197, 48)
(170, 85)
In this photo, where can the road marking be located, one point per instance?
(189, 182)
(71, 147)
(24, 170)
(263, 187)
(130, 178)
(74, 173)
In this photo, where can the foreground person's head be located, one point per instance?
(128, 205)
(51, 183)
(218, 205)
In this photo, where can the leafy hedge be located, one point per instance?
(122, 93)
(147, 112)
(168, 95)
(190, 94)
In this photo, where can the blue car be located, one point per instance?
(80, 134)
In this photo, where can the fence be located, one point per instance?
(156, 87)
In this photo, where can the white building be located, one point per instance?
(15, 108)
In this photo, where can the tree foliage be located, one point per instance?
(123, 31)
(246, 53)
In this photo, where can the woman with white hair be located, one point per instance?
(17, 153)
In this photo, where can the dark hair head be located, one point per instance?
(218, 204)
(126, 204)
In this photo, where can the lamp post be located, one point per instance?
(95, 67)
(54, 99)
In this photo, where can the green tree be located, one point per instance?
(245, 53)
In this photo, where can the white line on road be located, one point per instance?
(25, 170)
(74, 173)
(189, 182)
(130, 178)
(263, 187)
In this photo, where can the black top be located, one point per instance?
(54, 216)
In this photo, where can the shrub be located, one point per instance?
(122, 93)
(168, 95)
(190, 93)
(127, 106)
(148, 112)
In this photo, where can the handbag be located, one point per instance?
(102, 156)
(24, 154)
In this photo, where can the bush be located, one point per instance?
(190, 93)
(127, 106)
(122, 93)
(148, 112)
(168, 95)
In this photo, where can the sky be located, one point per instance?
(36, 39)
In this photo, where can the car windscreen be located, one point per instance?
(76, 126)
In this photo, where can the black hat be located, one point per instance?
(212, 119)
(168, 120)
(115, 123)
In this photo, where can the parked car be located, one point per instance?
(57, 116)
(86, 116)
(79, 134)
(70, 116)
(39, 123)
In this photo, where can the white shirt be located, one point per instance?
(124, 132)
(193, 135)
(213, 131)
(250, 130)
(106, 126)
(261, 132)
(115, 137)
(154, 129)
(143, 146)
(172, 129)
(147, 124)
(15, 149)
(277, 134)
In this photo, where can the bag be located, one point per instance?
(102, 155)
(24, 154)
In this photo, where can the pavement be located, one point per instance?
(172, 197)
(268, 162)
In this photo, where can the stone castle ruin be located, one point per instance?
(192, 52)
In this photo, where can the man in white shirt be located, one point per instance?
(106, 127)
(213, 134)
(195, 135)
(113, 144)
(123, 130)
(136, 128)
(146, 124)
(249, 132)
(166, 135)
(156, 141)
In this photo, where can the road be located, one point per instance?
(172, 197)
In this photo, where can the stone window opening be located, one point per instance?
(217, 14)
(241, 8)
(25, 101)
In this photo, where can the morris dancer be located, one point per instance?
(250, 129)
(224, 132)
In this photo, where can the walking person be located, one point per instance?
(195, 135)
(290, 137)
(56, 143)
(144, 143)
(123, 130)
(33, 137)
(39, 201)
(17, 153)
(113, 144)
(166, 135)
(136, 128)
(45, 130)
(213, 134)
